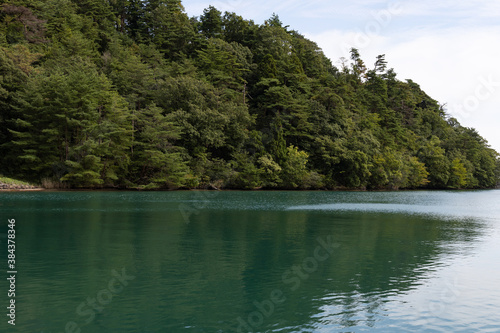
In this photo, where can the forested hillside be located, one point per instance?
(135, 94)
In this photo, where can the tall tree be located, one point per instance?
(168, 27)
(211, 22)
(72, 127)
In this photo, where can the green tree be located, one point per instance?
(220, 63)
(417, 173)
(458, 174)
(436, 162)
(19, 24)
(236, 29)
(211, 22)
(168, 27)
(72, 127)
(294, 171)
(156, 162)
(12, 80)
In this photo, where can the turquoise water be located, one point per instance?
(254, 261)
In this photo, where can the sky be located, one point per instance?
(451, 48)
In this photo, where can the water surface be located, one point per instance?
(255, 261)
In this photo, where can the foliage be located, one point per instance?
(10, 181)
(129, 93)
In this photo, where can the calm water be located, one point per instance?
(254, 261)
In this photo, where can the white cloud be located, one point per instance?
(472, 9)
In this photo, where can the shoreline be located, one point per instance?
(41, 189)
(26, 187)
(37, 189)
(4, 187)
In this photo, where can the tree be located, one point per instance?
(417, 173)
(211, 22)
(168, 27)
(458, 174)
(72, 127)
(129, 17)
(211, 124)
(156, 162)
(236, 29)
(12, 79)
(219, 61)
(358, 65)
(435, 162)
(19, 24)
(294, 171)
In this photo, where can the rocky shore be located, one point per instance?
(18, 187)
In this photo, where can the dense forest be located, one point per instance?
(136, 94)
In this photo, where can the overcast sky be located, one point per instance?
(451, 48)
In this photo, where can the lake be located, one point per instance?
(196, 261)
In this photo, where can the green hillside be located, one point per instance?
(135, 94)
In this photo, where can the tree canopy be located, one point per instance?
(136, 94)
